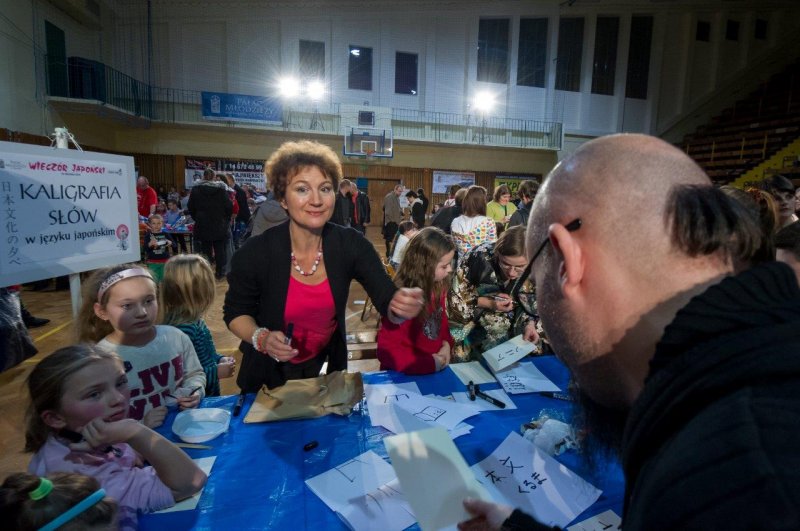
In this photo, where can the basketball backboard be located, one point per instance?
(368, 143)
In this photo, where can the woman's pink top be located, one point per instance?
(313, 312)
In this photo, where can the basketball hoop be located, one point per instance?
(370, 154)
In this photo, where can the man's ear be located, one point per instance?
(53, 419)
(570, 256)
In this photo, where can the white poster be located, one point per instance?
(442, 180)
(64, 211)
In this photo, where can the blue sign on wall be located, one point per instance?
(242, 108)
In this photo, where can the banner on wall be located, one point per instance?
(249, 172)
(64, 211)
(241, 108)
(513, 182)
(443, 180)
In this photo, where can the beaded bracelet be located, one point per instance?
(256, 335)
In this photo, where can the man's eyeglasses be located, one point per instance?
(527, 300)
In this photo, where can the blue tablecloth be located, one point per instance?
(258, 478)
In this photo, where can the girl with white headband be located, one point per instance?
(119, 312)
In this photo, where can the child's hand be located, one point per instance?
(153, 243)
(226, 367)
(442, 358)
(189, 402)
(99, 433)
(405, 304)
(155, 417)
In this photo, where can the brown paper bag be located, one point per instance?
(336, 392)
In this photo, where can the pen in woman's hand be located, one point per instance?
(289, 331)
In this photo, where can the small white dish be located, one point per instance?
(201, 425)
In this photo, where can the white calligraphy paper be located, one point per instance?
(484, 405)
(523, 476)
(384, 508)
(380, 398)
(507, 353)
(190, 503)
(445, 413)
(524, 377)
(605, 521)
(471, 371)
(352, 479)
(434, 476)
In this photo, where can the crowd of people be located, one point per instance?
(674, 304)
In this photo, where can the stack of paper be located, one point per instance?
(399, 409)
(364, 493)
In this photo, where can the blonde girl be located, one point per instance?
(421, 345)
(77, 422)
(186, 292)
(119, 313)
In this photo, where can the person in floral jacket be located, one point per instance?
(481, 311)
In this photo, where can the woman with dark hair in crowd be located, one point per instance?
(288, 287)
(500, 208)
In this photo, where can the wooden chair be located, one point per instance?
(368, 306)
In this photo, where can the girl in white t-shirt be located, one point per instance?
(405, 231)
(119, 313)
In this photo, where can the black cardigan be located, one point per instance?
(259, 281)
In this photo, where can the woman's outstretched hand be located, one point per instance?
(406, 304)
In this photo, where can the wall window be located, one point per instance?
(405, 73)
(493, 50)
(570, 47)
(605, 55)
(312, 60)
(639, 57)
(732, 30)
(703, 33)
(760, 29)
(359, 68)
(532, 56)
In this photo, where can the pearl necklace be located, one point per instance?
(313, 267)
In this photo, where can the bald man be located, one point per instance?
(690, 373)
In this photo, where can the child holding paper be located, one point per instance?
(421, 345)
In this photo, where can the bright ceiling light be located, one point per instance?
(483, 101)
(288, 87)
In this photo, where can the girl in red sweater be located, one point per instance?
(421, 345)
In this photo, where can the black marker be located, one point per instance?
(471, 388)
(558, 396)
(239, 403)
(492, 400)
(289, 330)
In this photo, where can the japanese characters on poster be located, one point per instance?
(64, 211)
(250, 172)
